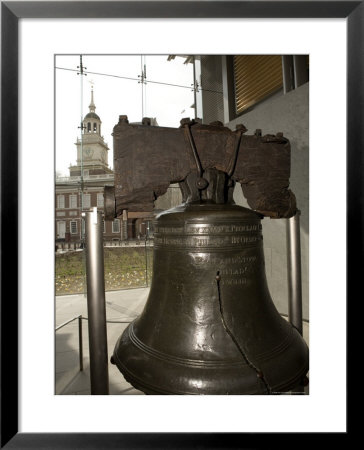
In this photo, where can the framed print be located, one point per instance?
(209, 423)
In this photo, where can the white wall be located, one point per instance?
(288, 114)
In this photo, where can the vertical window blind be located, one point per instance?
(255, 77)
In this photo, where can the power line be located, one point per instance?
(142, 78)
(192, 87)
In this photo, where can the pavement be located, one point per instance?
(123, 305)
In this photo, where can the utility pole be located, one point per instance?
(195, 86)
(143, 76)
(82, 73)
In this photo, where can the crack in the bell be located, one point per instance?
(233, 338)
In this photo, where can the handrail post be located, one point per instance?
(146, 261)
(80, 342)
(96, 303)
(294, 272)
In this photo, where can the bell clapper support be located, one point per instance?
(294, 272)
(233, 338)
(96, 306)
(201, 182)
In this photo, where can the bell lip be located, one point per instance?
(249, 389)
(150, 389)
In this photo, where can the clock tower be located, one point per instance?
(92, 151)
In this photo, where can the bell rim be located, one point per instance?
(242, 389)
(148, 388)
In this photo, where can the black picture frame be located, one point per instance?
(11, 12)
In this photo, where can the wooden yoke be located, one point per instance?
(147, 159)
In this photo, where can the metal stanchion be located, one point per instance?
(96, 303)
(80, 343)
(294, 272)
(146, 261)
(295, 280)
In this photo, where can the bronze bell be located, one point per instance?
(209, 325)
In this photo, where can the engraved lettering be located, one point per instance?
(234, 281)
(212, 241)
(235, 271)
(241, 260)
(218, 229)
(243, 239)
(169, 230)
(168, 241)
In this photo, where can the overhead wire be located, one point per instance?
(192, 87)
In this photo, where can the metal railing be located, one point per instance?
(80, 339)
(80, 318)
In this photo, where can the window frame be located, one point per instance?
(72, 197)
(75, 222)
(59, 197)
(266, 96)
(113, 223)
(292, 74)
(98, 196)
(83, 200)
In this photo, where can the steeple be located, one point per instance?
(92, 106)
(91, 121)
(93, 153)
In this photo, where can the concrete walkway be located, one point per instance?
(123, 305)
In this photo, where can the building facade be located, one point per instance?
(84, 188)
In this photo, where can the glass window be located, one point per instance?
(86, 200)
(116, 226)
(73, 201)
(100, 200)
(73, 227)
(60, 201)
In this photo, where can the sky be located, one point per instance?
(115, 96)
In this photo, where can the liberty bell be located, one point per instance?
(209, 325)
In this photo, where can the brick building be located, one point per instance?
(84, 188)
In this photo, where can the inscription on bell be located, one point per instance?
(169, 241)
(207, 242)
(244, 239)
(219, 229)
(208, 229)
(234, 281)
(233, 260)
(169, 230)
(237, 270)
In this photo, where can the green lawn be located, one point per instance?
(124, 268)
